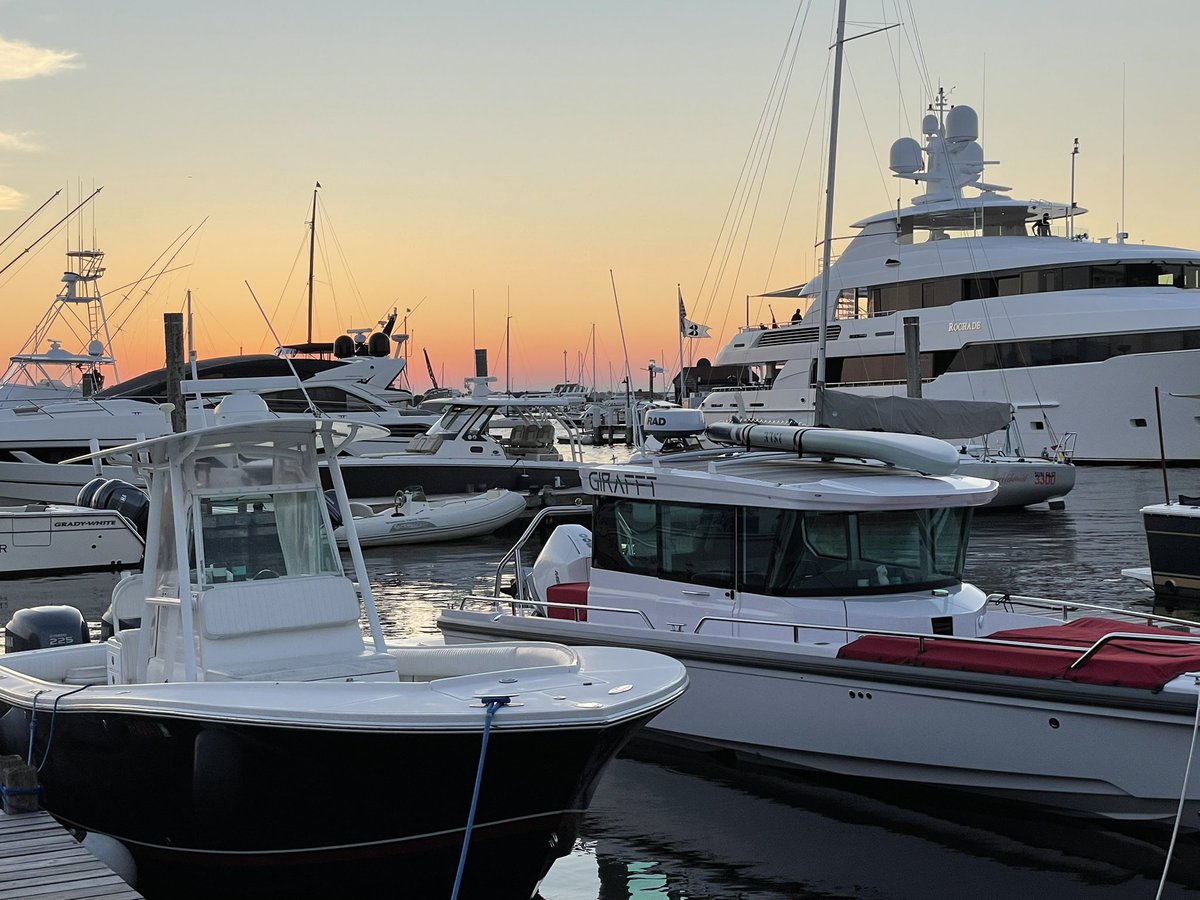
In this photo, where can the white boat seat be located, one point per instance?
(285, 629)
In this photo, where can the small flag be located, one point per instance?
(687, 327)
(429, 366)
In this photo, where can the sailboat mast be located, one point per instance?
(312, 243)
(834, 107)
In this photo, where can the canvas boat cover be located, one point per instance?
(950, 420)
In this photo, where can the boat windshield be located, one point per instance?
(783, 552)
(470, 421)
(263, 536)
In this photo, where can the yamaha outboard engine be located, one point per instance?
(87, 493)
(120, 497)
(39, 627)
(335, 512)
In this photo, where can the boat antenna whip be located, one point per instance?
(493, 704)
(51, 229)
(312, 407)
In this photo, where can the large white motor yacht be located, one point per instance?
(1014, 304)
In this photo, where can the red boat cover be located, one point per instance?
(575, 593)
(1122, 662)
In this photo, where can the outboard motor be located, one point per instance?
(335, 514)
(39, 627)
(566, 558)
(122, 497)
(87, 493)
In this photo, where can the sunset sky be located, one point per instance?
(516, 153)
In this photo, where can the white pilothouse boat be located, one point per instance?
(246, 727)
(811, 581)
(1014, 304)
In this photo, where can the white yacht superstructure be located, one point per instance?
(1013, 304)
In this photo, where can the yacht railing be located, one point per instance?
(1066, 607)
(520, 607)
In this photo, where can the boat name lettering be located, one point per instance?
(3, 548)
(82, 523)
(615, 483)
(966, 326)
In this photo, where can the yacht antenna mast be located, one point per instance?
(312, 240)
(1071, 217)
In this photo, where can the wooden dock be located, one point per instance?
(40, 859)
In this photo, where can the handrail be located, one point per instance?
(514, 552)
(1068, 606)
(573, 607)
(922, 637)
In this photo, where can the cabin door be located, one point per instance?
(697, 568)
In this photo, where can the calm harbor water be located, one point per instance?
(688, 829)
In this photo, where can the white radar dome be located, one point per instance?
(929, 125)
(968, 159)
(962, 124)
(95, 348)
(906, 157)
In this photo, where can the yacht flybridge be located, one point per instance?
(1014, 304)
(811, 581)
(45, 370)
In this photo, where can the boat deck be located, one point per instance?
(40, 858)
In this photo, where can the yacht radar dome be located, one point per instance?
(95, 348)
(929, 125)
(906, 156)
(962, 125)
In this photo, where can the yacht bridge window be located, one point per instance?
(889, 298)
(781, 552)
(890, 368)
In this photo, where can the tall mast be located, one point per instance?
(835, 103)
(312, 241)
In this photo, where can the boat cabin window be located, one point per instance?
(469, 421)
(326, 399)
(263, 536)
(780, 552)
(888, 298)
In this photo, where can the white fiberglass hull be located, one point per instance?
(39, 538)
(1074, 747)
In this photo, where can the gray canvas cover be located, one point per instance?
(946, 419)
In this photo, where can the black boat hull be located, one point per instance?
(257, 806)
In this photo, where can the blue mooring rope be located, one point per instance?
(493, 704)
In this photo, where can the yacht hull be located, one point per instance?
(1072, 747)
(316, 808)
(383, 477)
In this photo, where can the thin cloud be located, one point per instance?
(18, 140)
(19, 61)
(10, 198)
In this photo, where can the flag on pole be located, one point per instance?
(429, 366)
(687, 327)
